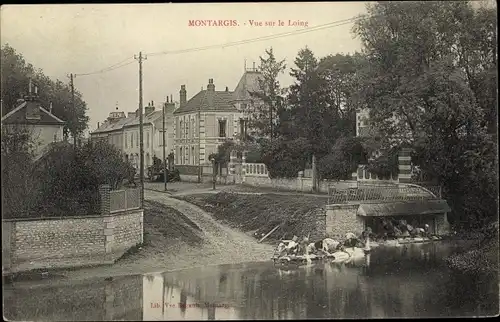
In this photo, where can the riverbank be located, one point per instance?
(259, 214)
(177, 235)
(482, 257)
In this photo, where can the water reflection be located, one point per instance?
(409, 281)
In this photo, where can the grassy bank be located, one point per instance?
(164, 227)
(261, 213)
(481, 258)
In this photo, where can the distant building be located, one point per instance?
(44, 127)
(122, 131)
(365, 129)
(207, 120)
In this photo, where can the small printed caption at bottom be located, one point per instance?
(157, 305)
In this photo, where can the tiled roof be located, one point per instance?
(249, 82)
(18, 115)
(205, 100)
(132, 121)
(417, 207)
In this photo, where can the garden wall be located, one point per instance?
(70, 242)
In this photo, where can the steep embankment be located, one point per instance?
(482, 258)
(261, 213)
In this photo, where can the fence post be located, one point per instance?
(104, 192)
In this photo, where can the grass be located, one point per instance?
(261, 213)
(164, 226)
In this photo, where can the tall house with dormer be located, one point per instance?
(207, 120)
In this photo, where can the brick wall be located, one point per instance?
(73, 241)
(343, 218)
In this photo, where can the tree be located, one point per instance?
(421, 93)
(268, 100)
(346, 154)
(19, 186)
(16, 73)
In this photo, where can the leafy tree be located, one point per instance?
(19, 190)
(285, 158)
(268, 100)
(16, 73)
(421, 94)
(71, 177)
(346, 154)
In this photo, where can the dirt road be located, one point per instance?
(220, 245)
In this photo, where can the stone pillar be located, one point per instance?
(232, 161)
(104, 192)
(243, 165)
(109, 236)
(404, 160)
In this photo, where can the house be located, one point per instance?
(206, 121)
(153, 135)
(44, 127)
(122, 131)
(363, 129)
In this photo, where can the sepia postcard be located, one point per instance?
(249, 161)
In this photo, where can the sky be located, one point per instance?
(81, 39)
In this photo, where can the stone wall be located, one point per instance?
(343, 218)
(73, 241)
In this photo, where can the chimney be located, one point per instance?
(171, 98)
(227, 89)
(132, 114)
(150, 108)
(98, 125)
(254, 66)
(211, 86)
(137, 113)
(182, 93)
(167, 99)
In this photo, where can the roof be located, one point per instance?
(249, 82)
(414, 207)
(17, 115)
(205, 100)
(132, 121)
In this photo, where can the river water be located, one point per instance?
(392, 282)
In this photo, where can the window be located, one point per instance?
(147, 139)
(181, 157)
(242, 127)
(182, 129)
(222, 128)
(136, 139)
(132, 140)
(126, 142)
(193, 128)
(193, 157)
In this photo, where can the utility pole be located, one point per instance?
(140, 59)
(199, 142)
(164, 147)
(73, 106)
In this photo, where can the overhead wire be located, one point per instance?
(126, 61)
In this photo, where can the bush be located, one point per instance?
(67, 180)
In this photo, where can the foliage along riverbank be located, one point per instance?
(482, 257)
